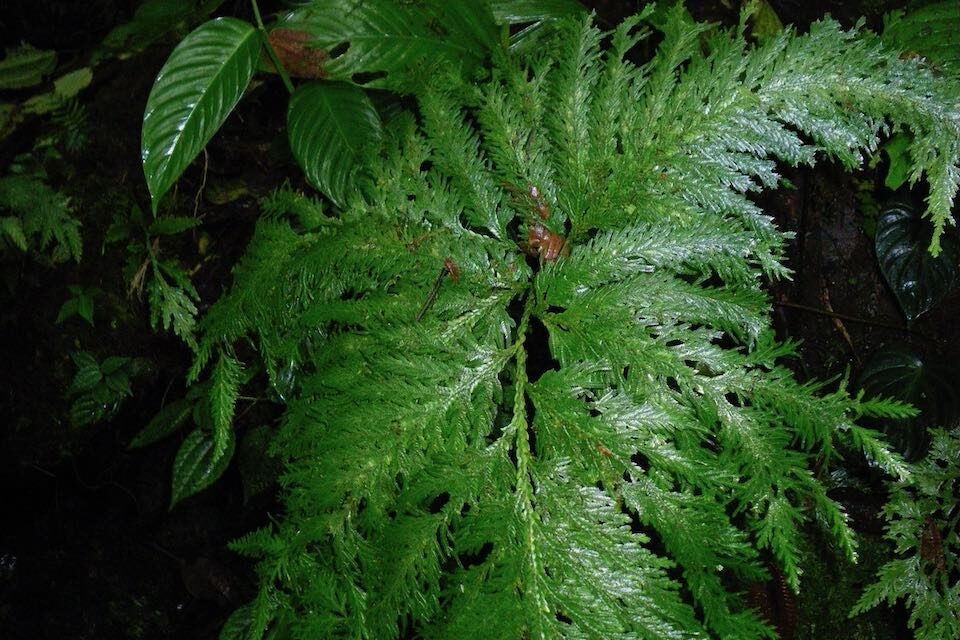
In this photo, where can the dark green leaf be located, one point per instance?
(224, 389)
(13, 229)
(932, 32)
(918, 280)
(25, 67)
(534, 14)
(384, 44)
(331, 126)
(198, 465)
(194, 93)
(258, 469)
(87, 410)
(928, 384)
(88, 373)
(113, 364)
(170, 419)
(172, 225)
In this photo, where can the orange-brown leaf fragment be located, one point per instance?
(298, 58)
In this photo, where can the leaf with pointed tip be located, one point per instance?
(331, 126)
(918, 280)
(198, 465)
(170, 419)
(194, 92)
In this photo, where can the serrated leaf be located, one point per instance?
(113, 364)
(118, 384)
(13, 229)
(195, 91)
(258, 469)
(224, 390)
(918, 280)
(86, 410)
(88, 373)
(169, 420)
(331, 126)
(172, 225)
(383, 44)
(239, 624)
(198, 464)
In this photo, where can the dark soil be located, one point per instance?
(89, 548)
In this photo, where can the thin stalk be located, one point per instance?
(270, 52)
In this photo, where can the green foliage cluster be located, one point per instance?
(36, 218)
(923, 523)
(592, 442)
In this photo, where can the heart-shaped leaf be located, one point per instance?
(918, 279)
(331, 125)
(929, 385)
(198, 464)
(195, 91)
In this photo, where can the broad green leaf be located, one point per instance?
(918, 280)
(198, 465)
(927, 383)
(194, 93)
(383, 44)
(523, 11)
(25, 67)
(170, 419)
(331, 126)
(534, 15)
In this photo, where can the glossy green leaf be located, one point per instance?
(198, 464)
(928, 384)
(532, 16)
(918, 279)
(170, 419)
(88, 373)
(194, 93)
(384, 44)
(331, 127)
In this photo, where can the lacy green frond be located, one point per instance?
(922, 522)
(532, 387)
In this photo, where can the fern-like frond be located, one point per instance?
(536, 392)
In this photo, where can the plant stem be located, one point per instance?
(270, 52)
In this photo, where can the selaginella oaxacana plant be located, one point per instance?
(537, 391)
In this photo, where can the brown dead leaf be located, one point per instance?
(298, 58)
